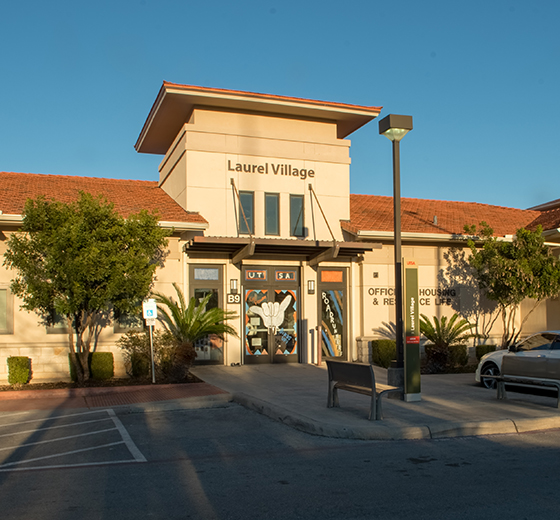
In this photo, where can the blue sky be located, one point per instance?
(480, 78)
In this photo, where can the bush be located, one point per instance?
(481, 350)
(443, 358)
(383, 351)
(458, 355)
(19, 370)
(101, 366)
(137, 355)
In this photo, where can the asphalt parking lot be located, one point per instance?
(63, 439)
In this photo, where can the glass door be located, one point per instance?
(332, 309)
(271, 317)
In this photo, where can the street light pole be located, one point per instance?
(395, 127)
(398, 255)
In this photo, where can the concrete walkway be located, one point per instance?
(296, 395)
(452, 404)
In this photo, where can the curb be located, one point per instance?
(186, 403)
(379, 431)
(62, 393)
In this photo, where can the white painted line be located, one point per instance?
(64, 466)
(126, 440)
(51, 418)
(58, 439)
(134, 451)
(54, 427)
(61, 454)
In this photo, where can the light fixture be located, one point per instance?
(395, 127)
(310, 286)
(233, 286)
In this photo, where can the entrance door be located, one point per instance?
(271, 334)
(332, 312)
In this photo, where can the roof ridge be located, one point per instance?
(448, 201)
(270, 96)
(50, 175)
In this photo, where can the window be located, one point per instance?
(296, 215)
(59, 325)
(246, 212)
(272, 214)
(128, 322)
(5, 312)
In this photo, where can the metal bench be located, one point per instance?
(525, 371)
(358, 378)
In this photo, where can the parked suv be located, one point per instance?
(542, 344)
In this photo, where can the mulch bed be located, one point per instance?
(92, 383)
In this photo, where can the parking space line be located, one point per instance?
(48, 418)
(110, 415)
(54, 427)
(58, 439)
(134, 451)
(59, 454)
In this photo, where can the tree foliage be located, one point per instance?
(79, 260)
(509, 272)
(473, 305)
(190, 323)
(445, 334)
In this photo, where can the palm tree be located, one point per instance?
(190, 323)
(444, 334)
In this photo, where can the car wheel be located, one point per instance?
(490, 369)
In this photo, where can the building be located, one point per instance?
(257, 190)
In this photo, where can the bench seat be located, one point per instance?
(358, 378)
(529, 372)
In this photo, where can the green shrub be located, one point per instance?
(19, 370)
(443, 358)
(383, 351)
(138, 365)
(101, 366)
(137, 355)
(458, 355)
(484, 349)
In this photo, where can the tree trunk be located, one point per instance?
(79, 353)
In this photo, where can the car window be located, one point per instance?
(556, 344)
(537, 342)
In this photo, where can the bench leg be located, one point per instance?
(501, 390)
(375, 413)
(332, 399)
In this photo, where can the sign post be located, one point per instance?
(149, 313)
(412, 333)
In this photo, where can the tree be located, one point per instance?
(473, 305)
(444, 334)
(80, 262)
(510, 272)
(190, 323)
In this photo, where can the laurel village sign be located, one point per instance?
(272, 169)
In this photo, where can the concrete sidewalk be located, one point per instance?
(452, 405)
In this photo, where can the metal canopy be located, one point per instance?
(242, 248)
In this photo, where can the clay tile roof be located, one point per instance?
(375, 213)
(128, 196)
(547, 219)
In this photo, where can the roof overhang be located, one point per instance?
(175, 103)
(420, 237)
(244, 248)
(552, 236)
(183, 226)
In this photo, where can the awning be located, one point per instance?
(243, 248)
